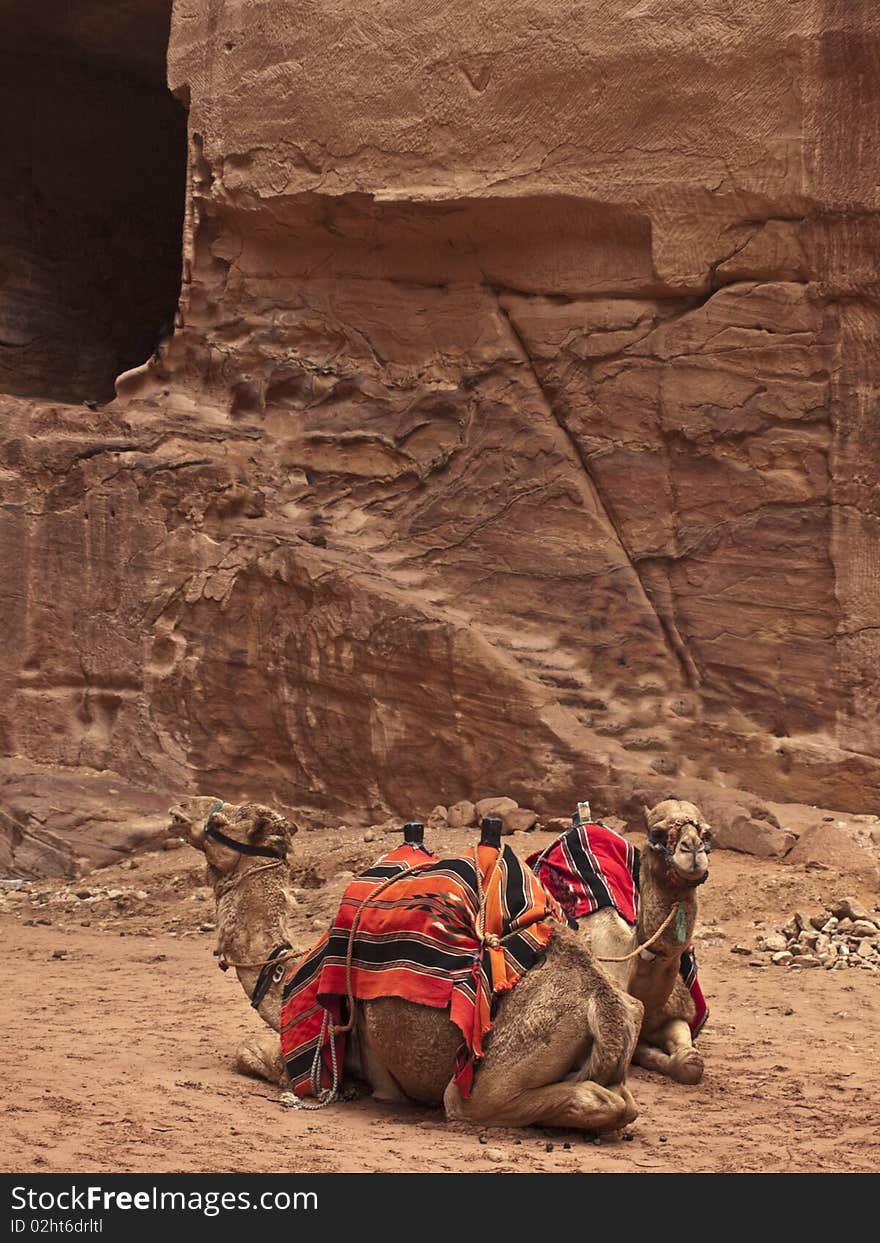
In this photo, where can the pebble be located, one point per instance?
(741, 949)
(369, 836)
(495, 1154)
(848, 908)
(59, 953)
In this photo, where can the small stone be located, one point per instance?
(207, 927)
(810, 939)
(848, 908)
(740, 949)
(518, 820)
(627, 1137)
(173, 843)
(482, 1139)
(548, 1147)
(774, 944)
(495, 806)
(556, 824)
(865, 950)
(59, 953)
(864, 928)
(781, 958)
(369, 836)
(497, 1155)
(567, 1145)
(663, 1139)
(319, 925)
(806, 960)
(461, 815)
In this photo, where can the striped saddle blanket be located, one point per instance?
(591, 867)
(450, 933)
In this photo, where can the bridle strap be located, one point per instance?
(272, 973)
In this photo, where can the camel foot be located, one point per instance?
(686, 1066)
(631, 1111)
(583, 1106)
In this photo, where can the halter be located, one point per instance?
(243, 848)
(667, 849)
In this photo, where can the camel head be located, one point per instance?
(187, 818)
(249, 829)
(679, 833)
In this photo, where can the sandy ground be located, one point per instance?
(117, 1056)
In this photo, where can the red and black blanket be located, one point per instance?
(450, 933)
(591, 867)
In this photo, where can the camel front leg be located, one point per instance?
(260, 1057)
(670, 1051)
(586, 1106)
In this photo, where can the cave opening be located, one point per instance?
(92, 188)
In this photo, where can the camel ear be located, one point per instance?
(646, 812)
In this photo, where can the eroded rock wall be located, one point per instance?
(518, 432)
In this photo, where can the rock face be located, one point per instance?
(516, 431)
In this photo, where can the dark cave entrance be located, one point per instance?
(92, 187)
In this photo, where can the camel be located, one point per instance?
(561, 1042)
(674, 864)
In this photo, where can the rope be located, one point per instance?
(331, 1094)
(349, 953)
(280, 958)
(237, 877)
(650, 941)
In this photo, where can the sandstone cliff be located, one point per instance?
(517, 432)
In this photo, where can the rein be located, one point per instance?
(650, 941)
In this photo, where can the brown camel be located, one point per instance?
(562, 1038)
(672, 866)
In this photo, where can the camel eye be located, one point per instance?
(706, 839)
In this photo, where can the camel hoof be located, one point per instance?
(686, 1066)
(630, 1111)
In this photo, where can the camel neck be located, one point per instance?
(253, 910)
(659, 893)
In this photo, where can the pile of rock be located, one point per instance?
(846, 935)
(465, 815)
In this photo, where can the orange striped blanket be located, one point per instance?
(420, 940)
